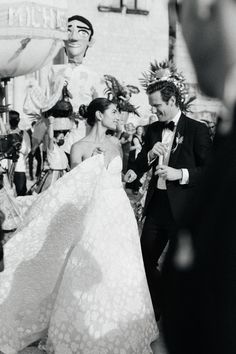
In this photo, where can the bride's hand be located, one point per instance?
(97, 151)
(130, 176)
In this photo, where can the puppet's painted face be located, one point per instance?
(78, 39)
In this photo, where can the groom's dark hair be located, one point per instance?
(167, 90)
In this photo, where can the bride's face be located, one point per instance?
(110, 117)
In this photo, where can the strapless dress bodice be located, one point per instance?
(111, 176)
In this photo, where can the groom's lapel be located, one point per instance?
(157, 134)
(179, 133)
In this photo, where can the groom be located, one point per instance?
(176, 148)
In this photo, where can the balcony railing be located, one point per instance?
(123, 9)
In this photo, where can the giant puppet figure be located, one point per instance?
(82, 83)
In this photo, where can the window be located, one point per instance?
(138, 7)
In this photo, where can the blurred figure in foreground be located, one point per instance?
(199, 314)
(1, 239)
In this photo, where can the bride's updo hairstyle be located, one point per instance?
(89, 112)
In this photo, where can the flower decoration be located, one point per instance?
(166, 71)
(178, 141)
(120, 94)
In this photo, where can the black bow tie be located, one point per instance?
(170, 125)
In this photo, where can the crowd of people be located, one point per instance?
(81, 273)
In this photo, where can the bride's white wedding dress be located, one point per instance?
(74, 270)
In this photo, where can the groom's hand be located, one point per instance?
(158, 149)
(130, 176)
(169, 173)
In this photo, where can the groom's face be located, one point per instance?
(159, 107)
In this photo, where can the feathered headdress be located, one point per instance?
(166, 71)
(120, 94)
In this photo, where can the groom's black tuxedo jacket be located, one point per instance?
(191, 153)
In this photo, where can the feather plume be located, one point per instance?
(120, 94)
(167, 71)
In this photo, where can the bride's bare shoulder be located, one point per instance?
(80, 145)
(79, 152)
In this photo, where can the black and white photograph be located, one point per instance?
(117, 177)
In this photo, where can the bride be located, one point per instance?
(74, 269)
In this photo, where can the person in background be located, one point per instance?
(10, 213)
(56, 157)
(125, 141)
(135, 148)
(36, 154)
(19, 176)
(138, 140)
(77, 132)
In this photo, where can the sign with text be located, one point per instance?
(31, 34)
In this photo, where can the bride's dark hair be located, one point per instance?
(100, 104)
